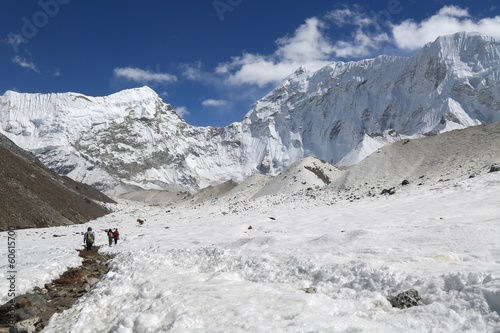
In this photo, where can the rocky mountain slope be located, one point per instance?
(340, 114)
(34, 196)
(401, 166)
(407, 164)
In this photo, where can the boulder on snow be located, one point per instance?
(405, 299)
(390, 191)
(310, 290)
(495, 168)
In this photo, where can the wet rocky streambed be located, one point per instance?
(31, 312)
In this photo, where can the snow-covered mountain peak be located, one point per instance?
(470, 48)
(144, 93)
(340, 113)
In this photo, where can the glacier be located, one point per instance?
(341, 113)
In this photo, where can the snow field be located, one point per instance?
(201, 269)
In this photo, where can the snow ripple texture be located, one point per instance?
(196, 269)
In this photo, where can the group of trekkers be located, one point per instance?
(89, 237)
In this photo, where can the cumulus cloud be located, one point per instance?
(366, 35)
(308, 44)
(181, 111)
(214, 102)
(24, 63)
(322, 40)
(411, 35)
(306, 47)
(143, 76)
(350, 16)
(192, 71)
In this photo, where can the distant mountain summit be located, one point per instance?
(344, 111)
(340, 114)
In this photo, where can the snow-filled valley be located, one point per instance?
(201, 268)
(247, 230)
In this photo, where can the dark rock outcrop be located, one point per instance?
(405, 299)
(32, 196)
(495, 168)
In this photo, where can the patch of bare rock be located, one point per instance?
(31, 312)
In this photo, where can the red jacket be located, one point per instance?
(116, 234)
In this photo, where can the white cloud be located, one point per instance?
(15, 39)
(214, 102)
(23, 63)
(411, 35)
(192, 71)
(256, 69)
(309, 46)
(360, 45)
(306, 47)
(366, 36)
(143, 76)
(453, 11)
(349, 16)
(181, 111)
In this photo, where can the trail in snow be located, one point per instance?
(200, 267)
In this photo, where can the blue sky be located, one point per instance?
(211, 59)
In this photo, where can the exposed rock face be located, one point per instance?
(339, 114)
(34, 196)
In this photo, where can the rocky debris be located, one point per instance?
(495, 168)
(33, 310)
(310, 290)
(319, 173)
(389, 191)
(405, 299)
(25, 326)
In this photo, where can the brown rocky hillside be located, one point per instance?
(33, 196)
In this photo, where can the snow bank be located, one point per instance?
(202, 268)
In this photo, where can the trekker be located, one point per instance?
(89, 238)
(110, 237)
(116, 234)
